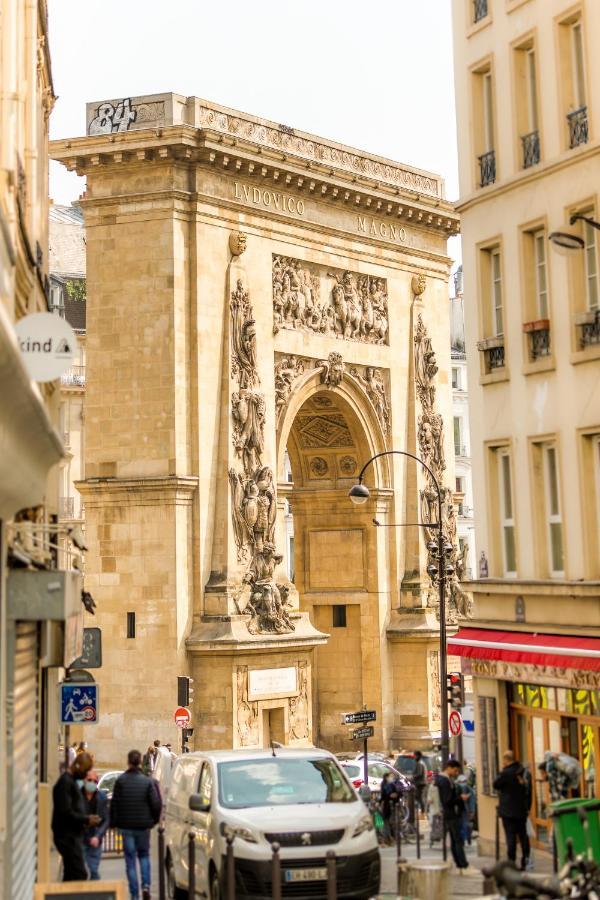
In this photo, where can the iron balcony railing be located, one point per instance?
(539, 342)
(487, 168)
(66, 507)
(480, 9)
(74, 377)
(531, 149)
(493, 353)
(590, 328)
(578, 126)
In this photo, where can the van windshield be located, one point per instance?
(276, 781)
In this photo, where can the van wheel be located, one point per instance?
(173, 892)
(215, 887)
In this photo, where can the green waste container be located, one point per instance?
(568, 824)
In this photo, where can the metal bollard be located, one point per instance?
(331, 876)
(554, 853)
(398, 831)
(275, 872)
(162, 893)
(412, 807)
(497, 836)
(191, 866)
(230, 869)
(418, 830)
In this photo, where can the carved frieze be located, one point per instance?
(287, 369)
(329, 301)
(246, 712)
(332, 369)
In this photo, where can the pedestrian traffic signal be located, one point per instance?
(455, 688)
(183, 690)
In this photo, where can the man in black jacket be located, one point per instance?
(452, 804)
(69, 818)
(135, 810)
(514, 792)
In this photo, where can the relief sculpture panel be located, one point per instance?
(330, 301)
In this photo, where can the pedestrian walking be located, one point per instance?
(470, 805)
(420, 781)
(563, 773)
(69, 818)
(514, 803)
(453, 806)
(135, 809)
(96, 803)
(149, 760)
(389, 799)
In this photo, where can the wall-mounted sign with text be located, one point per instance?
(48, 345)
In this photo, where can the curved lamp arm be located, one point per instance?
(417, 459)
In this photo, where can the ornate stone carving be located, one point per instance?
(298, 707)
(324, 431)
(430, 437)
(319, 467)
(248, 412)
(237, 243)
(339, 302)
(418, 284)
(287, 369)
(268, 604)
(373, 384)
(347, 465)
(247, 712)
(332, 369)
(243, 339)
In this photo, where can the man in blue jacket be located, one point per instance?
(135, 810)
(96, 803)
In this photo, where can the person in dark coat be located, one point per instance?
(96, 803)
(69, 817)
(453, 806)
(420, 781)
(514, 803)
(135, 809)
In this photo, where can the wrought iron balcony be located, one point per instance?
(531, 149)
(487, 168)
(74, 377)
(538, 334)
(493, 353)
(66, 509)
(480, 9)
(589, 325)
(460, 450)
(578, 127)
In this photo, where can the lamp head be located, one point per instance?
(359, 494)
(567, 240)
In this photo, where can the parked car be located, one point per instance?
(376, 770)
(107, 781)
(406, 763)
(300, 799)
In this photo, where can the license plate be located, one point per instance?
(319, 874)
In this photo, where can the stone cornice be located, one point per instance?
(101, 491)
(270, 168)
(556, 588)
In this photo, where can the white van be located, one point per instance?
(300, 799)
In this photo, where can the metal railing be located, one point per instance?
(539, 343)
(578, 127)
(74, 377)
(66, 507)
(590, 331)
(480, 9)
(493, 357)
(487, 168)
(531, 149)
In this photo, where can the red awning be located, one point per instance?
(523, 647)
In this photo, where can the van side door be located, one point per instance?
(200, 825)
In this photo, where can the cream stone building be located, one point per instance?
(256, 294)
(528, 96)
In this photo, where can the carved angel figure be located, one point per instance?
(286, 370)
(372, 382)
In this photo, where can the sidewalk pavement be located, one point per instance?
(114, 868)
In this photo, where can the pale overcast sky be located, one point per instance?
(377, 75)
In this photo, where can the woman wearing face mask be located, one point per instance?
(96, 804)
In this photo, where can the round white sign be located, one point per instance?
(48, 345)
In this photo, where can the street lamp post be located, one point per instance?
(570, 240)
(440, 549)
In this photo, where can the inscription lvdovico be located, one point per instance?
(287, 203)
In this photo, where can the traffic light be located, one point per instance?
(185, 691)
(455, 688)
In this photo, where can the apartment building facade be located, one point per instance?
(528, 89)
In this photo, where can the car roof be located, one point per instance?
(235, 755)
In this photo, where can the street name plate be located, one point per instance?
(355, 718)
(359, 734)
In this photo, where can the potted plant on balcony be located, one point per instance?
(536, 325)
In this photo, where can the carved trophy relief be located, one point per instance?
(335, 302)
(298, 707)
(371, 380)
(247, 712)
(243, 339)
(287, 369)
(430, 438)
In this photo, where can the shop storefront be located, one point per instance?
(534, 693)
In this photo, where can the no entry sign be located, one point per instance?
(182, 717)
(455, 723)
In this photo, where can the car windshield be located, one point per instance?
(276, 781)
(406, 764)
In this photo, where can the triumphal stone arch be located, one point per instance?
(267, 310)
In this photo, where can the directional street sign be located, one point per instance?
(455, 723)
(182, 717)
(355, 718)
(361, 734)
(78, 703)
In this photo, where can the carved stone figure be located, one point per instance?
(418, 284)
(248, 411)
(243, 338)
(237, 243)
(353, 307)
(286, 371)
(247, 713)
(298, 707)
(268, 608)
(332, 369)
(425, 367)
(372, 382)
